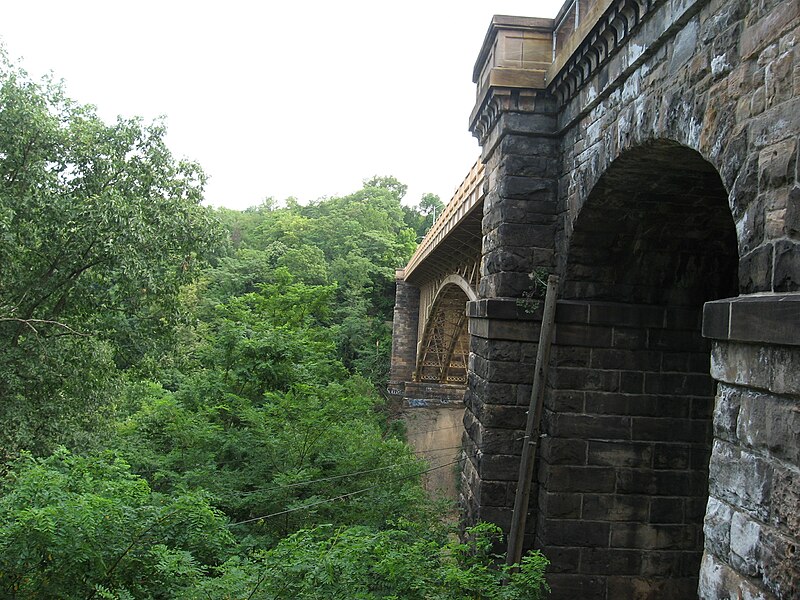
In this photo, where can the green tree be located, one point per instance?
(267, 409)
(402, 563)
(421, 217)
(99, 228)
(86, 527)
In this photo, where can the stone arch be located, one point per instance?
(444, 343)
(458, 280)
(624, 473)
(660, 198)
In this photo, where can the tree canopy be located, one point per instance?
(190, 398)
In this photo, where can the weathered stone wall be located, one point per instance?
(404, 334)
(434, 431)
(721, 77)
(519, 225)
(752, 525)
(623, 472)
(715, 86)
(503, 352)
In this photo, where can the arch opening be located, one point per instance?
(444, 347)
(625, 463)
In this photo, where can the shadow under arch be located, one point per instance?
(623, 481)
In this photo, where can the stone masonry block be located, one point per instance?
(563, 401)
(639, 588)
(655, 537)
(620, 454)
(630, 338)
(672, 456)
(616, 507)
(717, 527)
(776, 164)
(562, 559)
(740, 479)
(726, 412)
(560, 505)
(659, 563)
(571, 586)
(771, 424)
(563, 451)
(668, 510)
(772, 368)
(613, 358)
(607, 561)
(719, 580)
(581, 335)
(563, 532)
(654, 483)
(787, 266)
(689, 384)
(499, 467)
(785, 500)
(755, 270)
(586, 379)
(587, 426)
(507, 417)
(779, 562)
(675, 430)
(626, 315)
(582, 479)
(744, 544)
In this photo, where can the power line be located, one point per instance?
(343, 496)
(297, 484)
(367, 489)
(320, 480)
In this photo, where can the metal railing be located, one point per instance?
(468, 194)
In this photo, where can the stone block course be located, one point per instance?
(581, 479)
(560, 505)
(672, 456)
(655, 537)
(610, 562)
(619, 454)
(572, 586)
(616, 507)
(587, 426)
(583, 533)
(568, 451)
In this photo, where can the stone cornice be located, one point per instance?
(522, 57)
(605, 29)
(496, 102)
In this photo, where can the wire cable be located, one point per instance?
(343, 496)
(466, 456)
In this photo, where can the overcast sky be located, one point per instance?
(290, 98)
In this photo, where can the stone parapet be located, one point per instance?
(752, 528)
(768, 318)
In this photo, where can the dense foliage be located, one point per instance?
(188, 396)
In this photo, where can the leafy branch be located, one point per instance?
(30, 324)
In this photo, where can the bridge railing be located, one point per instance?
(466, 197)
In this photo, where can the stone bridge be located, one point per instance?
(646, 152)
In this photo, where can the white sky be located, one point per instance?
(303, 99)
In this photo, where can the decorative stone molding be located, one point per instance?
(598, 38)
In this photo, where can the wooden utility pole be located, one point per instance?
(533, 428)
